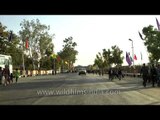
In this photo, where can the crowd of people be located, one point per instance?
(7, 76)
(115, 73)
(151, 75)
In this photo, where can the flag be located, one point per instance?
(128, 59)
(58, 58)
(140, 35)
(141, 56)
(131, 58)
(158, 25)
(135, 57)
(27, 44)
(10, 37)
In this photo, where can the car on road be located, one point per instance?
(82, 71)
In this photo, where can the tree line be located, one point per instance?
(33, 46)
(113, 56)
(37, 54)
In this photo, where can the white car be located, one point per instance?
(82, 71)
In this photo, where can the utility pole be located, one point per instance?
(132, 52)
(23, 71)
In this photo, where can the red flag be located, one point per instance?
(27, 45)
(58, 58)
(135, 57)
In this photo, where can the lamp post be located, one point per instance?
(132, 51)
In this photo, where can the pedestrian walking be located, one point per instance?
(11, 77)
(119, 73)
(110, 73)
(144, 73)
(158, 75)
(1, 75)
(153, 74)
(6, 73)
(17, 75)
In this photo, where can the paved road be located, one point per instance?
(72, 89)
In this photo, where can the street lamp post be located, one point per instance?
(132, 51)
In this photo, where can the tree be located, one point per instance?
(68, 53)
(109, 57)
(49, 50)
(40, 42)
(116, 59)
(4, 43)
(10, 47)
(100, 62)
(152, 42)
(15, 52)
(46, 63)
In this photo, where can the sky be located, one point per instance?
(92, 33)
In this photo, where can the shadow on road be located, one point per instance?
(54, 84)
(32, 85)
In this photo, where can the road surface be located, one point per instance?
(74, 89)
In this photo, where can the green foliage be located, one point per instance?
(68, 53)
(109, 57)
(10, 47)
(40, 42)
(152, 42)
(116, 58)
(99, 61)
(46, 63)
